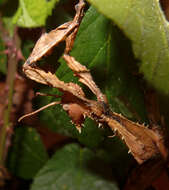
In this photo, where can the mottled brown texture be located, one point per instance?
(143, 143)
(49, 40)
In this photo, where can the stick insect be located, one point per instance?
(143, 143)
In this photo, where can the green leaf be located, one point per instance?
(27, 47)
(115, 152)
(2, 1)
(91, 136)
(74, 168)
(59, 120)
(102, 48)
(3, 58)
(27, 154)
(145, 25)
(32, 13)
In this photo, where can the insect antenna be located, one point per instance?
(40, 109)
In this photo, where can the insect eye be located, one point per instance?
(76, 7)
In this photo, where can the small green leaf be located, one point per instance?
(33, 13)
(3, 58)
(27, 154)
(145, 24)
(74, 168)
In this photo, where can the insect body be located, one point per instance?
(143, 143)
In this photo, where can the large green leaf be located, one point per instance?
(145, 24)
(33, 13)
(27, 154)
(74, 168)
(102, 48)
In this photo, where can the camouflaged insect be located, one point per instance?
(143, 143)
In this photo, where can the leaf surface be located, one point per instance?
(27, 154)
(33, 13)
(2, 1)
(145, 25)
(102, 48)
(70, 169)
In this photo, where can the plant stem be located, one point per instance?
(7, 127)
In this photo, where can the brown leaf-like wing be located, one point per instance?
(48, 40)
(139, 139)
